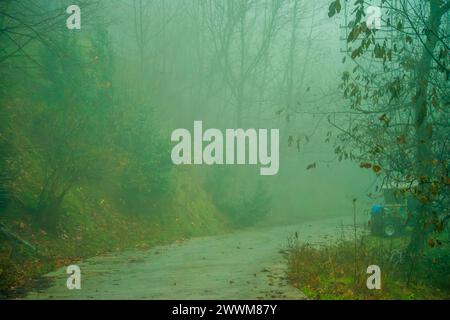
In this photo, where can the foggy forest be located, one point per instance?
(224, 149)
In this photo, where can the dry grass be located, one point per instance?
(339, 271)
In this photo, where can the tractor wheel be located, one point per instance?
(390, 230)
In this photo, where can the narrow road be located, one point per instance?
(241, 265)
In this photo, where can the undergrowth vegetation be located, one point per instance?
(339, 271)
(93, 224)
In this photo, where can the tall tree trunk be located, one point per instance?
(424, 129)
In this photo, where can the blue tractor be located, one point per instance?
(394, 215)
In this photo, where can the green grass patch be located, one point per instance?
(339, 271)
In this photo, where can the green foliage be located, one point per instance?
(339, 271)
(396, 90)
(4, 177)
(82, 131)
(244, 203)
(335, 7)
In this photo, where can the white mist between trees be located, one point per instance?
(231, 151)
